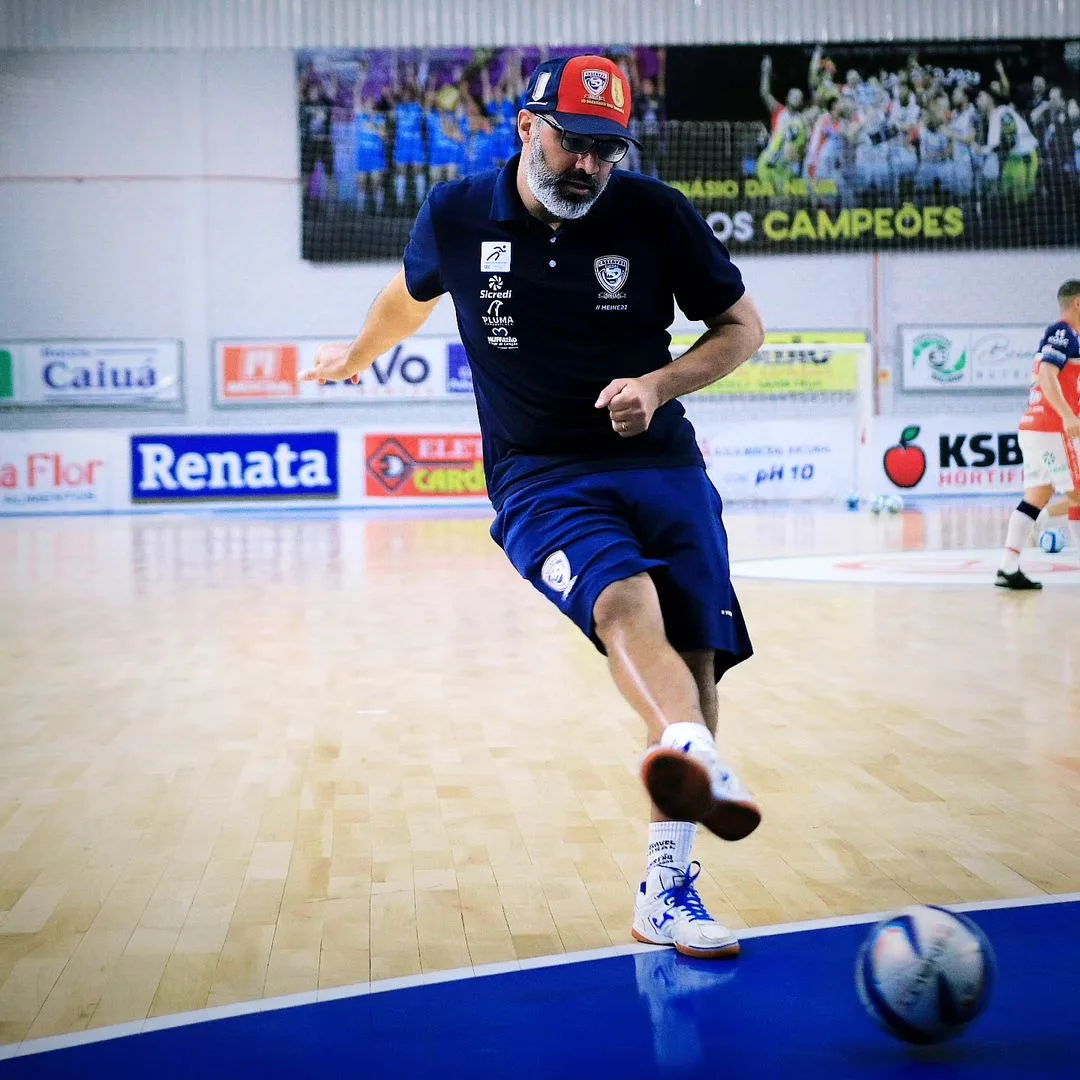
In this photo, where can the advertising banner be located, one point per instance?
(173, 467)
(947, 455)
(60, 471)
(815, 147)
(265, 372)
(813, 362)
(779, 459)
(139, 374)
(444, 467)
(968, 357)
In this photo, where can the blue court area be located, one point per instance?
(786, 1008)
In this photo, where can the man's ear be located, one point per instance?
(526, 125)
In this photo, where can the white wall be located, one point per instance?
(260, 24)
(153, 194)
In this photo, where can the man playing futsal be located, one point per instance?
(1049, 434)
(564, 275)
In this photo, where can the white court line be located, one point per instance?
(199, 1016)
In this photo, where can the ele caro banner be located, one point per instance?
(847, 147)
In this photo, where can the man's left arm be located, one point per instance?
(730, 340)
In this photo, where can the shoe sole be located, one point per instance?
(724, 952)
(1019, 588)
(680, 788)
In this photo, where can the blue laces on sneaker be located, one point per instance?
(684, 895)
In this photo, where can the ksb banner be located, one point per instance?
(948, 455)
(412, 466)
(143, 374)
(181, 468)
(801, 369)
(257, 372)
(59, 471)
(778, 459)
(968, 357)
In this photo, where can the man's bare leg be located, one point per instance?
(681, 772)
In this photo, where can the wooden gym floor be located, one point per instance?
(251, 756)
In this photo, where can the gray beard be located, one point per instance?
(544, 184)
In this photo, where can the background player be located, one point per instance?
(1048, 435)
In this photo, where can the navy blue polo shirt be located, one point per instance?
(549, 317)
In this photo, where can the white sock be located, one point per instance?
(683, 734)
(670, 844)
(1016, 538)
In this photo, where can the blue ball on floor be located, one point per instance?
(1052, 540)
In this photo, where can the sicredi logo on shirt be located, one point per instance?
(177, 468)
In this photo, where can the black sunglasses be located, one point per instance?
(607, 149)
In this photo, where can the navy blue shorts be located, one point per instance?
(572, 537)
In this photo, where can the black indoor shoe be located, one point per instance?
(1016, 580)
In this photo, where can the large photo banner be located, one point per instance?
(848, 147)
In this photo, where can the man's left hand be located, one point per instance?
(630, 404)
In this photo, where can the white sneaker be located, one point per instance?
(688, 782)
(669, 911)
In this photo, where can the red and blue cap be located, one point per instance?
(587, 95)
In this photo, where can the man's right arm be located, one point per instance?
(394, 316)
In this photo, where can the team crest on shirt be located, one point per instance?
(596, 82)
(612, 271)
(555, 574)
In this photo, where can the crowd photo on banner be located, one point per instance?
(810, 148)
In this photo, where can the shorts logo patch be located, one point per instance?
(555, 573)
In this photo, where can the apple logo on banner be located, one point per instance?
(905, 463)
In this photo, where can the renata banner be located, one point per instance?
(968, 357)
(48, 472)
(948, 455)
(261, 372)
(412, 466)
(141, 374)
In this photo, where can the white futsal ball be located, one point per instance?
(1052, 540)
(924, 974)
(877, 504)
(894, 503)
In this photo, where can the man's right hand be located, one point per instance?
(1072, 428)
(331, 365)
